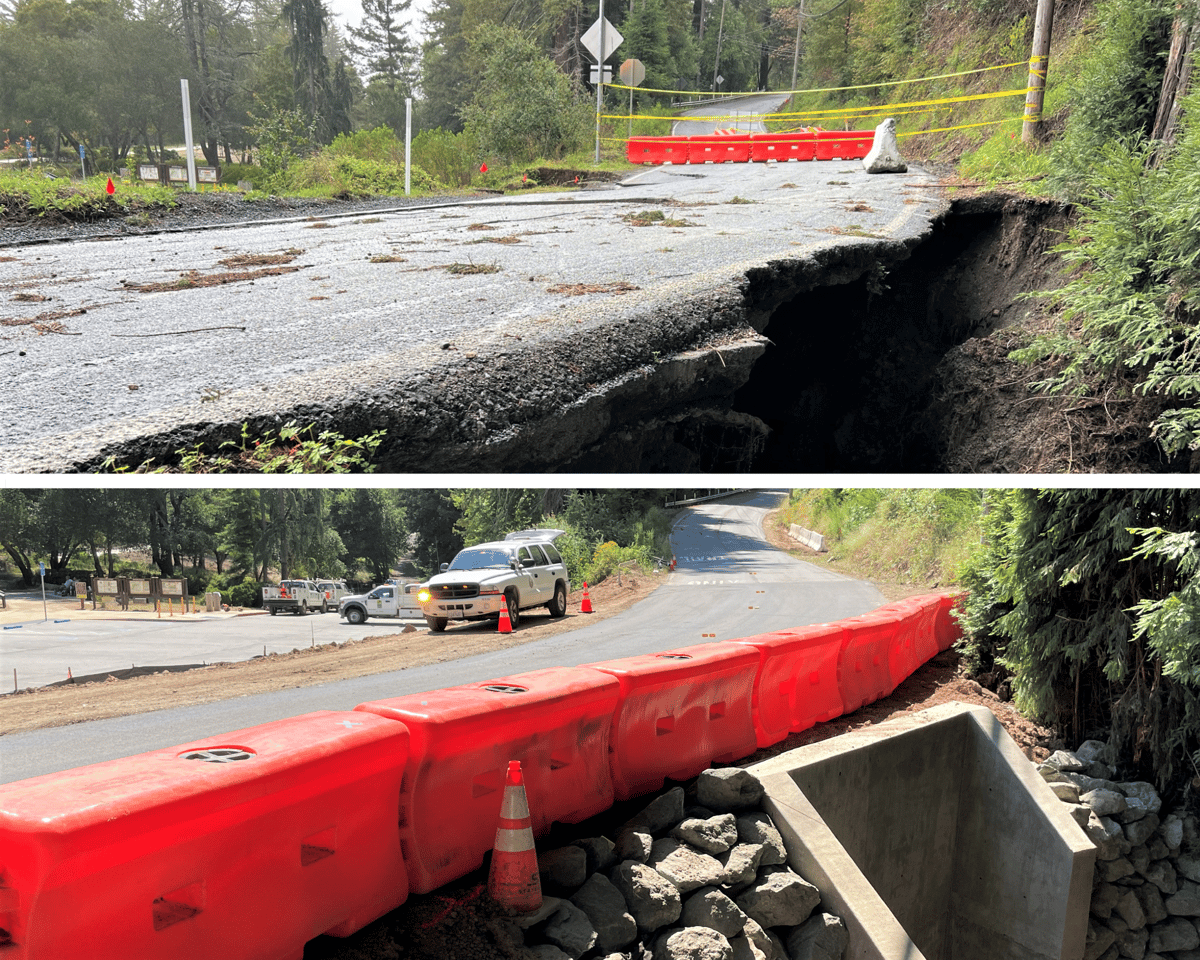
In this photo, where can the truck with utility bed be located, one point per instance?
(296, 596)
(521, 573)
(395, 600)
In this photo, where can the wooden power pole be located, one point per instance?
(1039, 62)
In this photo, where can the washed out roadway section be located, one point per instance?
(343, 340)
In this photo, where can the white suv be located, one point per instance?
(519, 573)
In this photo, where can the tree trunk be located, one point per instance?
(1176, 78)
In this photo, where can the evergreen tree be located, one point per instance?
(308, 22)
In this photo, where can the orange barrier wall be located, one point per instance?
(164, 856)
(782, 146)
(843, 144)
(915, 641)
(863, 665)
(759, 147)
(555, 721)
(657, 150)
(946, 628)
(797, 681)
(678, 712)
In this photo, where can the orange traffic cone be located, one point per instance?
(586, 606)
(505, 624)
(513, 878)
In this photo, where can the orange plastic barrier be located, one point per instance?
(844, 144)
(678, 712)
(730, 148)
(946, 628)
(914, 642)
(782, 146)
(555, 721)
(242, 846)
(657, 150)
(797, 681)
(863, 664)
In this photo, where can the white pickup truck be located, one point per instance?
(298, 596)
(395, 600)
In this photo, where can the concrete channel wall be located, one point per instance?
(934, 838)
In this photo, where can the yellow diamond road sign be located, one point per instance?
(591, 40)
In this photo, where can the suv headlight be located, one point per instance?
(423, 596)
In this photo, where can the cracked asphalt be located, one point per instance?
(375, 303)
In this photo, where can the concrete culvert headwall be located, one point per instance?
(933, 836)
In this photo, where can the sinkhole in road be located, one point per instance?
(846, 384)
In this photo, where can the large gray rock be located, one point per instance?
(1188, 866)
(1104, 803)
(1141, 830)
(1065, 791)
(779, 899)
(1162, 875)
(709, 907)
(821, 937)
(570, 930)
(1173, 934)
(1107, 835)
(600, 854)
(884, 155)
(547, 951)
(606, 909)
(1092, 750)
(1104, 899)
(1132, 943)
(548, 908)
(741, 865)
(715, 835)
(1151, 899)
(660, 813)
(1171, 830)
(1110, 871)
(652, 900)
(1140, 799)
(692, 943)
(633, 845)
(729, 789)
(1066, 761)
(766, 941)
(1185, 902)
(1099, 939)
(563, 867)
(1129, 909)
(746, 949)
(1140, 858)
(684, 866)
(758, 828)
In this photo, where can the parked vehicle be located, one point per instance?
(395, 600)
(297, 596)
(332, 592)
(520, 573)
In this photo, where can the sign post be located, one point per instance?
(82, 164)
(42, 574)
(633, 72)
(407, 146)
(600, 39)
(187, 134)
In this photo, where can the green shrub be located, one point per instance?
(231, 173)
(351, 175)
(248, 593)
(449, 157)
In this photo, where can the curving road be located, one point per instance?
(729, 583)
(736, 113)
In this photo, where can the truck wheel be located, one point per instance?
(302, 610)
(436, 624)
(514, 609)
(356, 615)
(558, 606)
(324, 607)
(273, 611)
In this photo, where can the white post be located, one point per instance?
(45, 612)
(600, 81)
(187, 134)
(407, 145)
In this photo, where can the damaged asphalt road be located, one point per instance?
(534, 332)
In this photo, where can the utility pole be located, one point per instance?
(720, 36)
(1039, 62)
(796, 55)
